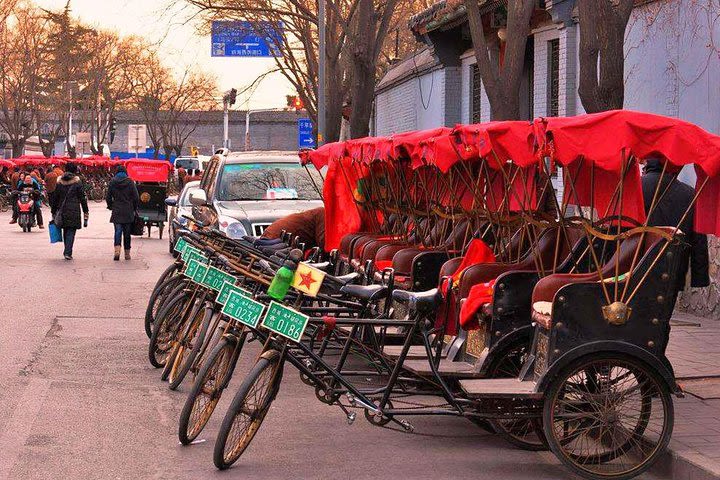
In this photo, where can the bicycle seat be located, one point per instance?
(421, 302)
(349, 278)
(367, 293)
(320, 265)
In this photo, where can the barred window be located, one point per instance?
(553, 109)
(475, 94)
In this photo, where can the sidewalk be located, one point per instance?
(694, 352)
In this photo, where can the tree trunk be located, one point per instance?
(18, 146)
(363, 69)
(502, 79)
(602, 38)
(335, 96)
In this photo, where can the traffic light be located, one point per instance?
(294, 101)
(113, 128)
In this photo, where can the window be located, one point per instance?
(475, 94)
(553, 108)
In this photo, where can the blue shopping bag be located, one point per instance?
(55, 233)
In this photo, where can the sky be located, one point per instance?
(180, 44)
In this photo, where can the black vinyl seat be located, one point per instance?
(366, 293)
(420, 302)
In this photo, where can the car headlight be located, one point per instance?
(231, 227)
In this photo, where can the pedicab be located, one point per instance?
(594, 291)
(151, 178)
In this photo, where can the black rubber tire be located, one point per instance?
(196, 337)
(264, 369)
(653, 386)
(217, 369)
(155, 297)
(163, 329)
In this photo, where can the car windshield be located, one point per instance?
(187, 163)
(267, 181)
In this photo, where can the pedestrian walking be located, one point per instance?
(122, 198)
(66, 203)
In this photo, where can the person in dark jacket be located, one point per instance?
(669, 210)
(65, 204)
(122, 198)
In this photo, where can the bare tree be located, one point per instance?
(501, 78)
(167, 105)
(20, 71)
(602, 60)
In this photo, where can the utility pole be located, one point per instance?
(321, 72)
(228, 100)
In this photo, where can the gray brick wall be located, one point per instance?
(267, 132)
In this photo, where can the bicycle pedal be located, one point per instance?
(407, 426)
(351, 416)
(351, 399)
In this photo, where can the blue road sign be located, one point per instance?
(246, 39)
(306, 139)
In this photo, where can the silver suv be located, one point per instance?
(241, 193)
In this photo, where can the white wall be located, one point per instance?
(415, 104)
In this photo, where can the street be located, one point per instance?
(79, 400)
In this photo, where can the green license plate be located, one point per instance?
(181, 245)
(215, 279)
(187, 250)
(196, 255)
(225, 290)
(285, 321)
(195, 271)
(243, 309)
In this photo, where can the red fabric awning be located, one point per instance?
(148, 170)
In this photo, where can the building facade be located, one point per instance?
(270, 130)
(671, 68)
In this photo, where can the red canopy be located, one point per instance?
(38, 161)
(323, 155)
(507, 140)
(602, 138)
(148, 170)
(6, 163)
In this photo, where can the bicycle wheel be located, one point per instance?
(165, 330)
(524, 433)
(608, 416)
(190, 346)
(247, 411)
(163, 285)
(211, 382)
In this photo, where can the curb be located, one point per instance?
(686, 465)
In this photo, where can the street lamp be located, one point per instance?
(228, 100)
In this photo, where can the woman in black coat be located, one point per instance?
(65, 204)
(122, 198)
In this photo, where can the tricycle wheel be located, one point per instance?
(526, 433)
(608, 415)
(247, 411)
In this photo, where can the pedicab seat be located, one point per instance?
(621, 262)
(420, 302)
(367, 293)
(347, 279)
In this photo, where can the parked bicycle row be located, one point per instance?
(439, 235)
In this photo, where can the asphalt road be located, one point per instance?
(79, 400)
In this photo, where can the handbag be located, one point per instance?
(58, 218)
(55, 232)
(138, 227)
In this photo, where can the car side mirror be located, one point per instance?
(198, 198)
(171, 201)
